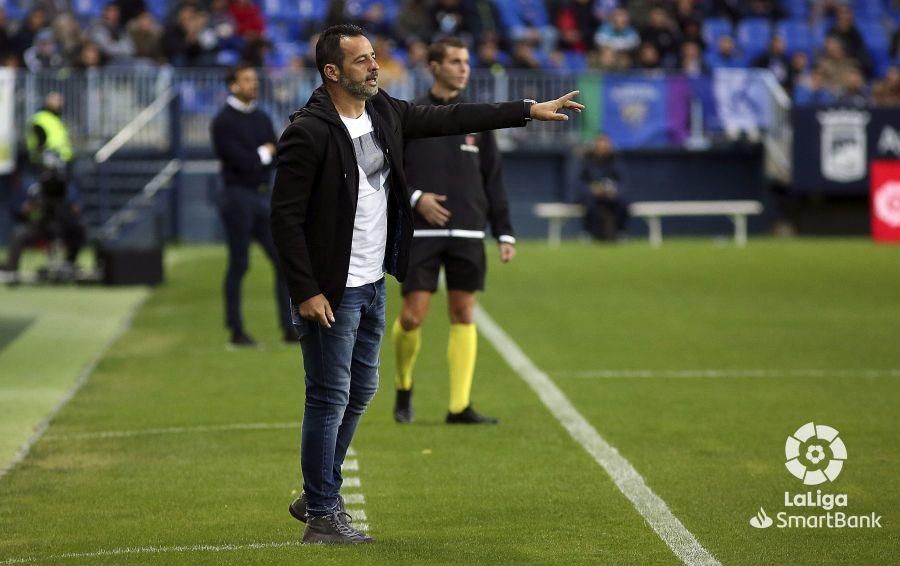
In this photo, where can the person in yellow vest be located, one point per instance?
(49, 209)
(48, 133)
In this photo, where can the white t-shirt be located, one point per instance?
(370, 224)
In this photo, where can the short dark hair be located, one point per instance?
(438, 50)
(328, 48)
(232, 75)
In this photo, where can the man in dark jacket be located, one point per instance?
(243, 139)
(341, 219)
(458, 189)
(602, 191)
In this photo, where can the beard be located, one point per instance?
(360, 89)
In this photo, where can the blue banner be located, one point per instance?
(742, 99)
(634, 111)
(656, 111)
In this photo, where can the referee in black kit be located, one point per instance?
(458, 190)
(244, 141)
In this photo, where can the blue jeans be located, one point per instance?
(245, 216)
(341, 366)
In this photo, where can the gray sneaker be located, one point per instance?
(333, 529)
(298, 507)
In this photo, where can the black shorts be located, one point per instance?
(463, 260)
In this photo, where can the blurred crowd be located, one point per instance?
(822, 51)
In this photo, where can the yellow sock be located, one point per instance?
(461, 351)
(406, 349)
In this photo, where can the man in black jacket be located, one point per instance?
(459, 188)
(243, 139)
(341, 219)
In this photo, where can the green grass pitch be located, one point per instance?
(695, 361)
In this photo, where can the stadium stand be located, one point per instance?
(553, 40)
(545, 25)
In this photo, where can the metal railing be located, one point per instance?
(145, 125)
(101, 103)
(145, 206)
(98, 103)
(779, 137)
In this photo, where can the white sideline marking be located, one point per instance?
(651, 507)
(173, 430)
(155, 550)
(351, 465)
(85, 374)
(726, 373)
(357, 514)
(354, 499)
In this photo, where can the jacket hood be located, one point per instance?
(320, 106)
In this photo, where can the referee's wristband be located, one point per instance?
(414, 199)
(505, 239)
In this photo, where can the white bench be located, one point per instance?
(556, 214)
(738, 210)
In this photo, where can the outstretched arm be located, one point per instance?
(549, 111)
(422, 121)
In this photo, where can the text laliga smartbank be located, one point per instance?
(815, 454)
(826, 501)
(829, 520)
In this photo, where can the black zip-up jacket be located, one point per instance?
(235, 137)
(316, 184)
(465, 168)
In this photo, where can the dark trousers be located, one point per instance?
(341, 365)
(606, 218)
(245, 216)
(59, 222)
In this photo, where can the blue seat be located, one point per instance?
(575, 61)
(280, 8)
(14, 11)
(713, 61)
(819, 32)
(312, 11)
(283, 29)
(356, 8)
(197, 99)
(288, 48)
(795, 8)
(875, 36)
(797, 35)
(228, 57)
(159, 8)
(714, 28)
(753, 36)
(87, 8)
(509, 18)
(868, 9)
(532, 12)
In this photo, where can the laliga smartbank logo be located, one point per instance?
(815, 454)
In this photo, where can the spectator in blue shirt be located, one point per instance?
(617, 33)
(811, 91)
(725, 55)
